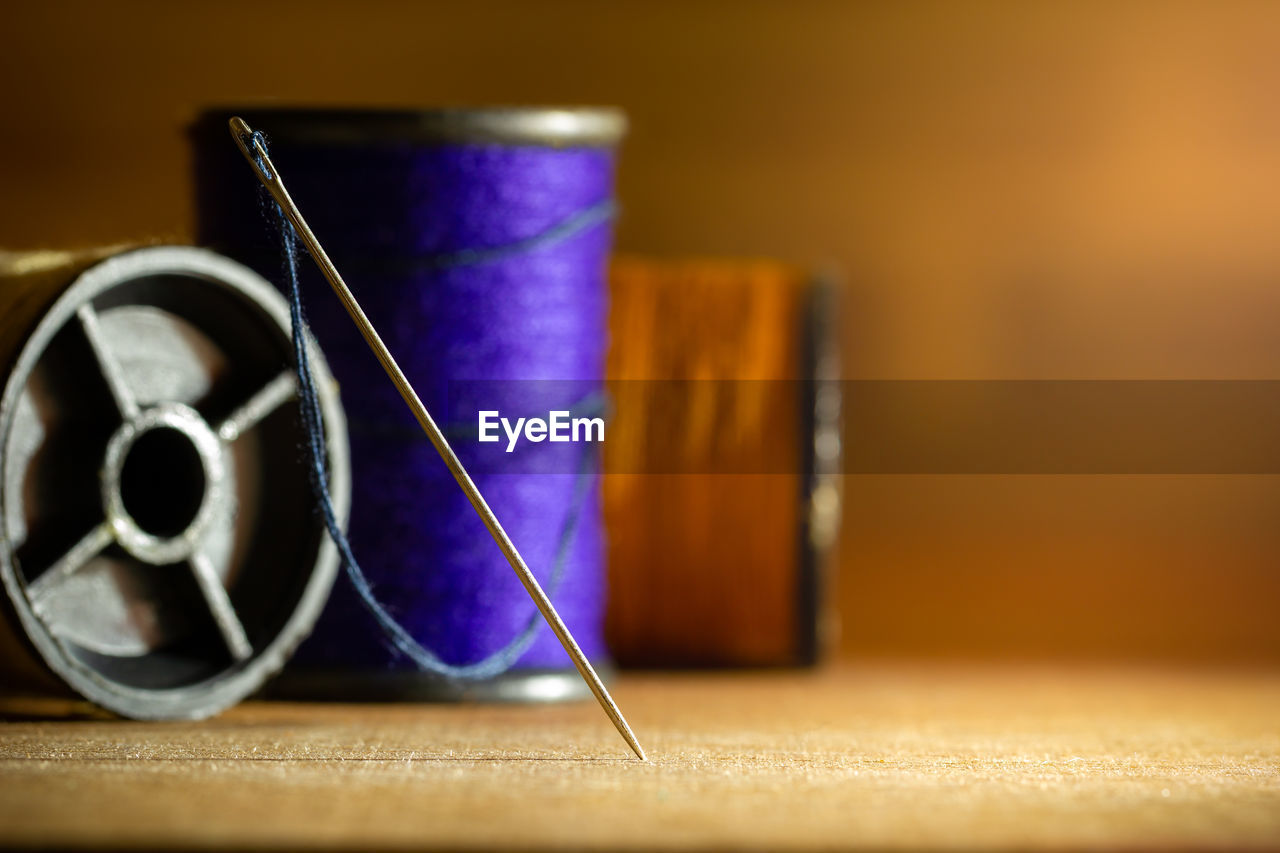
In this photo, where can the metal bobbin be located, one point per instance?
(160, 552)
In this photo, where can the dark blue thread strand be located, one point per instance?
(313, 424)
(258, 144)
(596, 214)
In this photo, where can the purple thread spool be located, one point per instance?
(405, 202)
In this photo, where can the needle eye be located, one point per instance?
(253, 145)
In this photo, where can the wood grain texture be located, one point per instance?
(852, 758)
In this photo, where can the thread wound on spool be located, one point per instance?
(474, 261)
(713, 370)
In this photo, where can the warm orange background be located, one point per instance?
(1018, 190)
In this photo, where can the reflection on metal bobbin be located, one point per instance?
(160, 553)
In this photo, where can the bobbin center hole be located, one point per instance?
(162, 482)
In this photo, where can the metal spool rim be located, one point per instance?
(558, 127)
(517, 686)
(233, 682)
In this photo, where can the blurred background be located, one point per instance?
(1011, 191)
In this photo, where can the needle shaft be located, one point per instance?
(270, 178)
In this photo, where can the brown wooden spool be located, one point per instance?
(715, 367)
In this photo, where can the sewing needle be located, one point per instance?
(267, 173)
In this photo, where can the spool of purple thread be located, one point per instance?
(477, 242)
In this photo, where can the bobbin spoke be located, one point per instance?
(266, 400)
(224, 614)
(90, 546)
(107, 364)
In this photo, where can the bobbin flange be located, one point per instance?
(160, 553)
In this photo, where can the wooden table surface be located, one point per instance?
(876, 756)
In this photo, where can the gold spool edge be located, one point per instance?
(557, 127)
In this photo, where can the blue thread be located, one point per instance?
(313, 424)
(596, 214)
(258, 142)
(425, 228)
